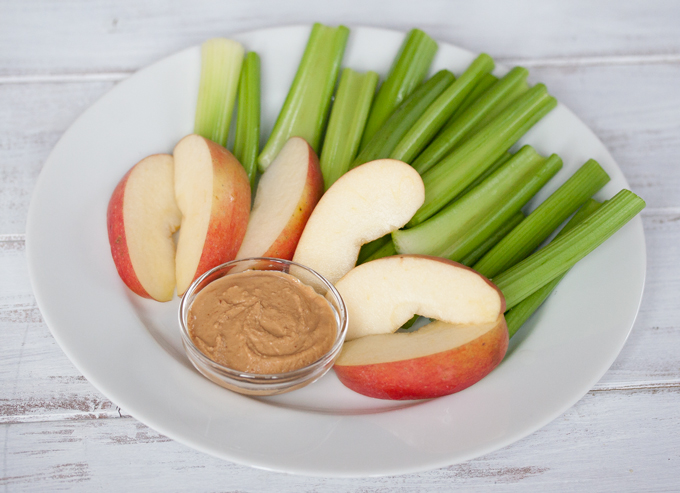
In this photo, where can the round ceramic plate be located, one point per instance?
(130, 348)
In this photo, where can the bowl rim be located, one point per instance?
(262, 378)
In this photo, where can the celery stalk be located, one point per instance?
(456, 130)
(346, 123)
(516, 199)
(451, 175)
(386, 250)
(409, 69)
(516, 317)
(439, 112)
(305, 110)
(435, 235)
(396, 126)
(371, 247)
(484, 83)
(488, 172)
(522, 279)
(488, 244)
(247, 137)
(221, 61)
(526, 237)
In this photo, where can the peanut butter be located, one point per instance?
(261, 322)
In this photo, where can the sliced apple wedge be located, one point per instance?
(364, 204)
(213, 193)
(438, 359)
(286, 196)
(383, 294)
(141, 218)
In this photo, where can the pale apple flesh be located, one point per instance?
(141, 218)
(287, 193)
(364, 204)
(213, 194)
(383, 294)
(436, 360)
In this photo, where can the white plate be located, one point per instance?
(130, 349)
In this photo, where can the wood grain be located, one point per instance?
(586, 449)
(127, 35)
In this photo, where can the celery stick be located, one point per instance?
(371, 247)
(497, 236)
(512, 95)
(522, 279)
(386, 250)
(517, 198)
(489, 171)
(516, 317)
(456, 130)
(305, 110)
(439, 112)
(409, 69)
(346, 123)
(247, 137)
(451, 175)
(435, 235)
(484, 83)
(526, 237)
(221, 61)
(396, 126)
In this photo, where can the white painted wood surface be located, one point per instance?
(615, 64)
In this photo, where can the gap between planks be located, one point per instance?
(590, 61)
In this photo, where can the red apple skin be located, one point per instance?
(429, 376)
(285, 244)
(117, 240)
(230, 210)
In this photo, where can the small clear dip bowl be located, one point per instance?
(255, 383)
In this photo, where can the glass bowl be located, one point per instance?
(256, 383)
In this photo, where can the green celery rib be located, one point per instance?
(247, 137)
(526, 237)
(346, 123)
(409, 69)
(484, 83)
(517, 198)
(514, 93)
(439, 112)
(446, 179)
(387, 250)
(221, 61)
(384, 140)
(488, 244)
(371, 247)
(305, 110)
(522, 279)
(439, 232)
(456, 130)
(505, 157)
(516, 317)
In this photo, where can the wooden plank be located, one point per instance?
(640, 127)
(598, 445)
(32, 119)
(86, 37)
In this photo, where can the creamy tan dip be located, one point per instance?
(261, 322)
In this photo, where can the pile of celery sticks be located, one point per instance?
(457, 132)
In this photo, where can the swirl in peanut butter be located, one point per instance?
(261, 322)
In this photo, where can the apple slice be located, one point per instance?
(383, 294)
(438, 359)
(364, 204)
(286, 196)
(213, 193)
(141, 218)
